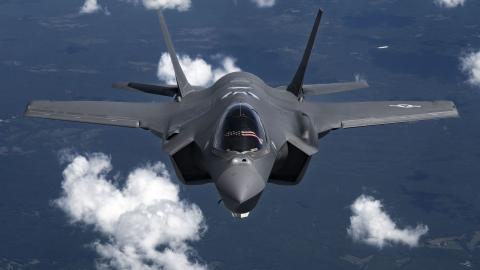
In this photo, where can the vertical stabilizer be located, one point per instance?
(296, 85)
(183, 84)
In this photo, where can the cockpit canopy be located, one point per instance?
(240, 130)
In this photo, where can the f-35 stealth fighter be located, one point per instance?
(241, 133)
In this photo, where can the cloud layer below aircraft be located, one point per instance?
(470, 64)
(371, 225)
(450, 3)
(144, 221)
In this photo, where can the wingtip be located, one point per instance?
(28, 109)
(362, 82)
(455, 112)
(450, 108)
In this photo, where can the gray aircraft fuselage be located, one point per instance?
(240, 177)
(240, 133)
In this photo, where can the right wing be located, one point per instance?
(154, 116)
(327, 116)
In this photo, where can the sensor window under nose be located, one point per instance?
(240, 130)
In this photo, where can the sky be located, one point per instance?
(78, 196)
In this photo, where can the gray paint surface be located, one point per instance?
(293, 126)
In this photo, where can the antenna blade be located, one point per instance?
(296, 85)
(182, 81)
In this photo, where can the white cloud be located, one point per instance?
(90, 6)
(371, 225)
(180, 5)
(450, 3)
(146, 223)
(197, 70)
(264, 3)
(5, 121)
(471, 65)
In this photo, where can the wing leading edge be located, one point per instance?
(152, 116)
(328, 116)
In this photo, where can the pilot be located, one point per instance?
(241, 130)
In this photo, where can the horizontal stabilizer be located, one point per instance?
(329, 88)
(162, 90)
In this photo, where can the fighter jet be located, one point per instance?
(240, 133)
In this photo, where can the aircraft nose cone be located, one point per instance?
(240, 188)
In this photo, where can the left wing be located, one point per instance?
(153, 116)
(327, 116)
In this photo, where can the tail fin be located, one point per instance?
(296, 85)
(183, 84)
